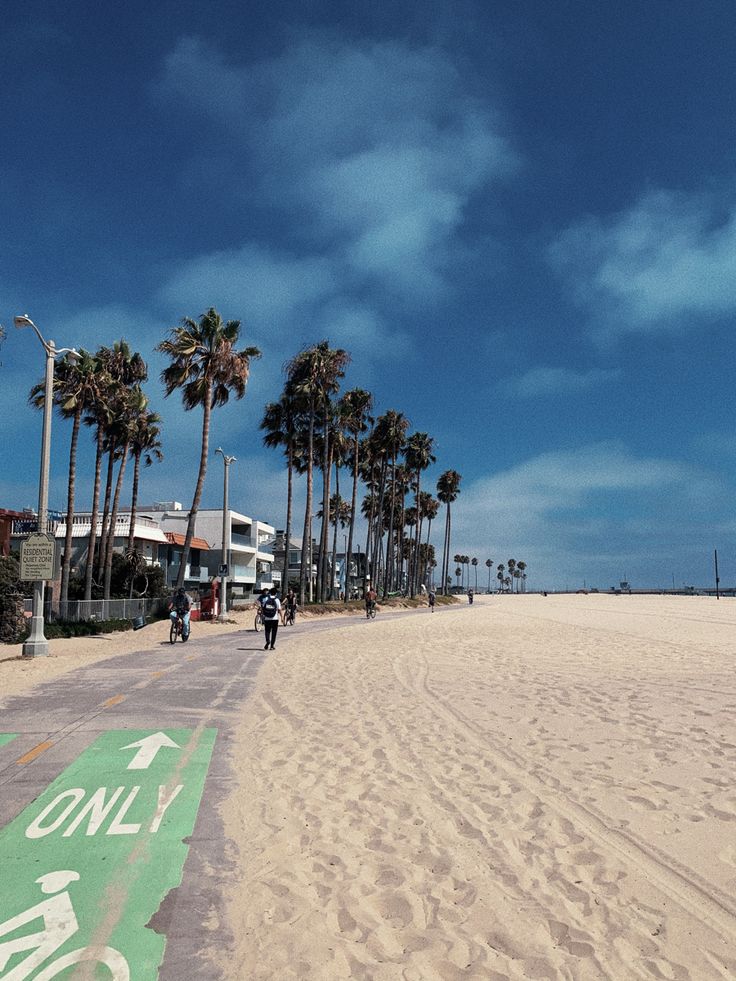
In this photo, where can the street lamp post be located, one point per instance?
(227, 460)
(36, 645)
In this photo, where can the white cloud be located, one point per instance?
(272, 289)
(668, 257)
(543, 381)
(371, 151)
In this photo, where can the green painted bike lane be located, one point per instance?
(7, 737)
(88, 863)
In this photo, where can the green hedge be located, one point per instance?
(83, 628)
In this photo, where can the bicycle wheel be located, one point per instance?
(373, 613)
(257, 622)
(173, 632)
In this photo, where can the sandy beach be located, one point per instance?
(531, 787)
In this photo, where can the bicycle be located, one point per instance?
(290, 616)
(59, 924)
(370, 611)
(258, 622)
(177, 630)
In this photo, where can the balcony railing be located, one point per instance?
(237, 539)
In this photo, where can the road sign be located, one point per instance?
(37, 558)
(223, 570)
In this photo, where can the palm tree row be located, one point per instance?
(103, 391)
(315, 426)
(511, 575)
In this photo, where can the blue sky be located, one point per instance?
(519, 218)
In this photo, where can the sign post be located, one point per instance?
(38, 558)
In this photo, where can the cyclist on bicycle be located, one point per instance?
(289, 608)
(180, 606)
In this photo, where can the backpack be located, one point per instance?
(269, 607)
(181, 604)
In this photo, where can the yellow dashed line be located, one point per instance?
(115, 700)
(33, 753)
(158, 674)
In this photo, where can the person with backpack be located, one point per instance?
(180, 606)
(271, 607)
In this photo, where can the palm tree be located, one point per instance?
(489, 564)
(390, 434)
(144, 445)
(474, 562)
(419, 456)
(428, 508)
(99, 414)
(458, 573)
(355, 409)
(76, 383)
(133, 405)
(448, 488)
(521, 566)
(314, 374)
(282, 422)
(127, 370)
(207, 368)
(511, 565)
(501, 569)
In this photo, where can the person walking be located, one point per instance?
(431, 599)
(271, 607)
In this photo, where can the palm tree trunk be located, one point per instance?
(334, 536)
(66, 559)
(324, 537)
(353, 503)
(134, 498)
(102, 550)
(289, 504)
(306, 563)
(389, 546)
(110, 546)
(446, 571)
(93, 520)
(415, 565)
(378, 525)
(207, 405)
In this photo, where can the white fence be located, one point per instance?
(112, 609)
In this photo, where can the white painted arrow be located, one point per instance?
(147, 749)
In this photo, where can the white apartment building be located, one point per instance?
(250, 560)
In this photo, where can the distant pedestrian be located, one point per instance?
(271, 607)
(470, 596)
(431, 600)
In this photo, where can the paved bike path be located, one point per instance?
(112, 774)
(110, 782)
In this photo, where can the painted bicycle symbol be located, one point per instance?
(59, 924)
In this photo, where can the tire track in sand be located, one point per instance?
(699, 899)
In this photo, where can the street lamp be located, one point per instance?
(36, 645)
(227, 460)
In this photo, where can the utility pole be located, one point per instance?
(224, 568)
(718, 595)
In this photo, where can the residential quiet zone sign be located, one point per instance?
(37, 554)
